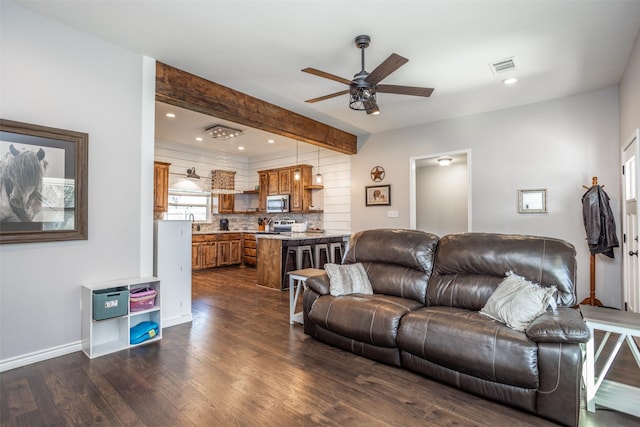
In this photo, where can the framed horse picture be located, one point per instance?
(43, 183)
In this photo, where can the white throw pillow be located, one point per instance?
(516, 302)
(347, 279)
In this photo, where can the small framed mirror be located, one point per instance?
(532, 201)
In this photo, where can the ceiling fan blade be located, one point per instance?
(322, 98)
(388, 66)
(405, 90)
(326, 75)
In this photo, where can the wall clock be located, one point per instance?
(377, 174)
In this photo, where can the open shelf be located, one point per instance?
(101, 337)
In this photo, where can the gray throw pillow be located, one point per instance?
(348, 279)
(516, 302)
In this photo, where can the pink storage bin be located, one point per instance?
(142, 299)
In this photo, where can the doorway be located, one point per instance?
(440, 195)
(630, 187)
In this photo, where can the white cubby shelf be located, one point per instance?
(101, 337)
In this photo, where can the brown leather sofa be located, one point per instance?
(424, 315)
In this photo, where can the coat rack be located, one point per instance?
(592, 300)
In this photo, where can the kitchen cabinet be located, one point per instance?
(263, 180)
(160, 186)
(229, 249)
(300, 196)
(215, 250)
(284, 181)
(223, 183)
(281, 181)
(273, 182)
(226, 203)
(203, 251)
(249, 249)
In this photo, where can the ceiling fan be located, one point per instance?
(364, 86)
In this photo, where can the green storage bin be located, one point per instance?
(108, 303)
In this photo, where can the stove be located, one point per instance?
(283, 225)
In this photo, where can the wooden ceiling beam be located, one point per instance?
(185, 90)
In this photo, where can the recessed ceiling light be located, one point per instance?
(199, 138)
(510, 81)
(241, 148)
(270, 141)
(170, 115)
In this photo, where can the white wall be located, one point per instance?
(630, 94)
(558, 145)
(442, 198)
(55, 76)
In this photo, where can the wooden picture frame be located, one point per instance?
(43, 187)
(532, 201)
(378, 195)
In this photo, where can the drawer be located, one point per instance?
(250, 244)
(250, 252)
(201, 238)
(228, 236)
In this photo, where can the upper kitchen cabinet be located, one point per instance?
(263, 180)
(273, 182)
(282, 181)
(160, 186)
(224, 183)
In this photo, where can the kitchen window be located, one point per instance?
(184, 204)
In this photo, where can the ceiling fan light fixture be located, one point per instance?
(223, 132)
(362, 98)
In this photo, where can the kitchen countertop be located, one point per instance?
(282, 235)
(303, 236)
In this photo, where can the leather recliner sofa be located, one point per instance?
(424, 315)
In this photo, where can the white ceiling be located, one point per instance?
(560, 48)
(186, 126)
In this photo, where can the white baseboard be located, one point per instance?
(173, 321)
(50, 353)
(39, 356)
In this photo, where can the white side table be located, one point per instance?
(301, 277)
(612, 394)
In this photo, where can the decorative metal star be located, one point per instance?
(377, 174)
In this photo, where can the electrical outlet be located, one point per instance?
(392, 214)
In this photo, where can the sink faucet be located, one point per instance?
(191, 217)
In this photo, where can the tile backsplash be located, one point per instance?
(240, 222)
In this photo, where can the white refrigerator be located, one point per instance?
(172, 265)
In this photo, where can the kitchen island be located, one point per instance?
(272, 254)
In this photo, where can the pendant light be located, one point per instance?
(318, 175)
(296, 173)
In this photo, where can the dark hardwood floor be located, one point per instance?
(240, 363)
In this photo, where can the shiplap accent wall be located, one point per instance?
(334, 199)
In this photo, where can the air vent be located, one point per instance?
(502, 66)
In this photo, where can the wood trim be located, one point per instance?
(185, 90)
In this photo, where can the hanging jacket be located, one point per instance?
(599, 222)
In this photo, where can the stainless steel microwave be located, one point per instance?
(278, 203)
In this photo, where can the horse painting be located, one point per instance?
(21, 176)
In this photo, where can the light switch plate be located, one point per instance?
(392, 214)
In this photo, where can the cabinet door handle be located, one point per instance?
(632, 253)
